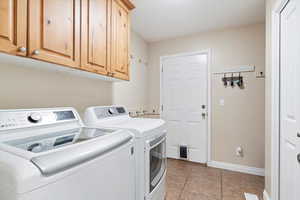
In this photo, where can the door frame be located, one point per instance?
(275, 98)
(209, 61)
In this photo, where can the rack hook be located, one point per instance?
(225, 80)
(240, 81)
(232, 81)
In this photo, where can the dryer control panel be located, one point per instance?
(112, 111)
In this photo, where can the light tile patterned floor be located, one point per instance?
(192, 181)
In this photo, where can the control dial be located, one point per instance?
(111, 111)
(35, 117)
(35, 148)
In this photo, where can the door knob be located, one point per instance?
(22, 49)
(298, 134)
(36, 52)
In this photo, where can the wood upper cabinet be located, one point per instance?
(13, 26)
(120, 40)
(92, 35)
(105, 37)
(54, 31)
(95, 36)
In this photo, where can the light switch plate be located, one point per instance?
(222, 102)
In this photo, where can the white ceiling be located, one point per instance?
(157, 20)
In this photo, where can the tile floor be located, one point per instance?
(191, 181)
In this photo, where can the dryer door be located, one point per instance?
(157, 155)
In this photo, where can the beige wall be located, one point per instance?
(269, 5)
(241, 121)
(133, 94)
(26, 83)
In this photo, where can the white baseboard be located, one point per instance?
(266, 195)
(237, 168)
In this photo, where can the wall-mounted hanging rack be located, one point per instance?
(233, 76)
(233, 81)
(239, 69)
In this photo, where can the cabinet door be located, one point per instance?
(95, 37)
(54, 31)
(13, 26)
(120, 41)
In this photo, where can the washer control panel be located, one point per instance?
(35, 117)
(29, 118)
(104, 112)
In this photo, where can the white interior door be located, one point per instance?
(184, 99)
(290, 102)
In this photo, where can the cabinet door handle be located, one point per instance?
(298, 157)
(298, 134)
(22, 49)
(110, 73)
(36, 52)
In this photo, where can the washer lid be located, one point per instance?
(24, 171)
(56, 162)
(138, 124)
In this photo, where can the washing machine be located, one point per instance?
(48, 154)
(150, 137)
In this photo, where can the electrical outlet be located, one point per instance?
(239, 152)
(260, 74)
